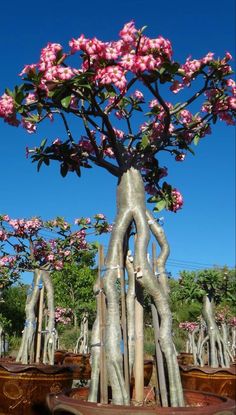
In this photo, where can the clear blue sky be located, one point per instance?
(203, 233)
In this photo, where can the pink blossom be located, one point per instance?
(138, 95)
(65, 73)
(119, 133)
(3, 235)
(7, 108)
(29, 126)
(31, 97)
(129, 32)
(180, 157)
(231, 101)
(57, 142)
(186, 117)
(177, 200)
(28, 69)
(86, 145)
(176, 86)
(208, 58)
(153, 103)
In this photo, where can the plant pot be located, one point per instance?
(220, 381)
(148, 369)
(82, 393)
(80, 365)
(59, 356)
(185, 358)
(200, 402)
(23, 387)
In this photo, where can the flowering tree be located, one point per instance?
(114, 83)
(25, 249)
(191, 328)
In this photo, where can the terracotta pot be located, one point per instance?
(148, 369)
(23, 387)
(185, 358)
(80, 364)
(220, 381)
(59, 356)
(200, 402)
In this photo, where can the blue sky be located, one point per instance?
(203, 233)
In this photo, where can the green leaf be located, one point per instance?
(152, 199)
(64, 169)
(65, 102)
(39, 164)
(46, 161)
(145, 141)
(43, 142)
(160, 206)
(196, 139)
(190, 150)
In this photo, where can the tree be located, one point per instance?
(13, 308)
(25, 249)
(73, 288)
(101, 94)
(211, 287)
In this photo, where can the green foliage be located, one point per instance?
(5, 324)
(74, 287)
(68, 338)
(13, 308)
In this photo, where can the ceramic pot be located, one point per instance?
(80, 364)
(24, 387)
(220, 381)
(196, 402)
(185, 358)
(148, 369)
(59, 356)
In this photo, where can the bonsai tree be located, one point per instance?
(25, 249)
(211, 287)
(116, 92)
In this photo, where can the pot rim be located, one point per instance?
(209, 370)
(38, 367)
(61, 401)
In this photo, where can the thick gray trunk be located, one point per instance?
(131, 207)
(219, 354)
(26, 352)
(50, 335)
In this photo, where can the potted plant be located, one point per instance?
(115, 83)
(211, 369)
(25, 249)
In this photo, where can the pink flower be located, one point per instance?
(176, 86)
(7, 108)
(29, 126)
(180, 157)
(177, 200)
(231, 101)
(28, 69)
(138, 95)
(65, 73)
(129, 32)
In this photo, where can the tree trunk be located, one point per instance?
(50, 335)
(131, 207)
(219, 354)
(26, 352)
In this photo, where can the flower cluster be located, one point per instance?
(113, 81)
(24, 248)
(63, 315)
(189, 326)
(177, 200)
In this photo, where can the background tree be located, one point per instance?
(73, 287)
(211, 287)
(13, 307)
